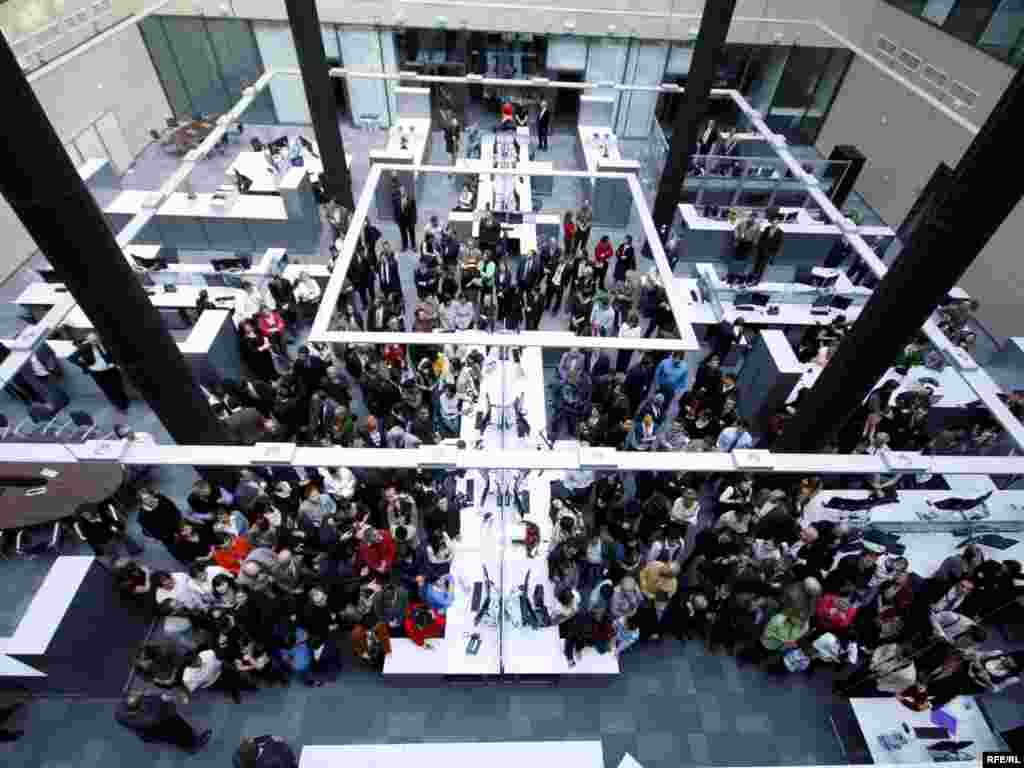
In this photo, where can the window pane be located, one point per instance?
(937, 11)
(166, 66)
(277, 49)
(969, 18)
(192, 48)
(1004, 29)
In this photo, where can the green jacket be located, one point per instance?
(781, 629)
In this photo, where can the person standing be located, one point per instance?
(407, 219)
(453, 140)
(530, 272)
(584, 220)
(543, 126)
(155, 718)
(602, 257)
(768, 245)
(625, 260)
(629, 329)
(388, 273)
(94, 359)
(569, 232)
(745, 236)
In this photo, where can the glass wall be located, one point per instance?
(994, 26)
(204, 64)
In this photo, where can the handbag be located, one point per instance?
(796, 660)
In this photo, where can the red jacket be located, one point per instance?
(603, 252)
(271, 323)
(378, 557)
(230, 557)
(570, 230)
(834, 621)
(432, 630)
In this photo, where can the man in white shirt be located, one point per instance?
(202, 671)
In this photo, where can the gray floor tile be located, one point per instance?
(618, 722)
(659, 747)
(711, 721)
(753, 724)
(700, 751)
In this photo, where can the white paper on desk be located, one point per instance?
(48, 473)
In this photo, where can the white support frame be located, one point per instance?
(228, 456)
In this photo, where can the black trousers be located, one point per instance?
(622, 360)
(542, 139)
(112, 384)
(554, 295)
(408, 230)
(174, 730)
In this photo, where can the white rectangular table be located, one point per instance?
(885, 715)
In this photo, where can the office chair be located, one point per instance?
(256, 144)
(82, 420)
(5, 426)
(40, 412)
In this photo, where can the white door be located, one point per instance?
(88, 143)
(113, 139)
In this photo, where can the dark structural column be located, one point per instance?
(323, 106)
(714, 26)
(41, 184)
(950, 235)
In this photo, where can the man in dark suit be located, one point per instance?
(530, 272)
(388, 275)
(309, 368)
(371, 434)
(768, 245)
(407, 219)
(378, 316)
(543, 124)
(360, 273)
(155, 718)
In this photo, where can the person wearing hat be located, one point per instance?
(93, 358)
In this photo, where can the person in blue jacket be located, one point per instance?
(672, 376)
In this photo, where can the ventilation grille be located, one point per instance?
(964, 95)
(936, 77)
(915, 68)
(888, 47)
(910, 60)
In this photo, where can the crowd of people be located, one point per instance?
(487, 283)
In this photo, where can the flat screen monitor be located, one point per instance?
(841, 302)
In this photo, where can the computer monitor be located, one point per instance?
(829, 282)
(760, 299)
(279, 143)
(242, 182)
(745, 299)
(841, 302)
(245, 257)
(222, 265)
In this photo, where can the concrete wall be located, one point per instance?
(116, 76)
(904, 150)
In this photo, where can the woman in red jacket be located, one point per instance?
(272, 328)
(423, 623)
(602, 256)
(569, 231)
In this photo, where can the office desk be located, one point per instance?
(266, 178)
(702, 313)
(859, 723)
(74, 485)
(807, 242)
(796, 291)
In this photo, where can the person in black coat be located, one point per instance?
(309, 369)
(529, 272)
(156, 719)
(388, 274)
(543, 126)
(768, 246)
(284, 295)
(159, 517)
(361, 272)
(407, 219)
(254, 393)
(638, 381)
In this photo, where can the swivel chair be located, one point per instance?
(82, 420)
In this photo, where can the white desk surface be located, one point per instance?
(591, 149)
(49, 604)
(499, 754)
(143, 252)
(266, 207)
(1004, 506)
(843, 285)
(127, 201)
(265, 178)
(886, 715)
(416, 130)
(954, 390)
(804, 224)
